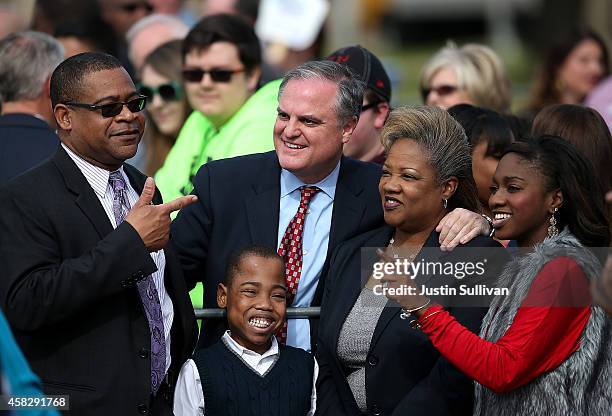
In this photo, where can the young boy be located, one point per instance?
(248, 372)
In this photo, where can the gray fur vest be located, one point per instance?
(579, 386)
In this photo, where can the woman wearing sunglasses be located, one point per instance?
(472, 74)
(167, 104)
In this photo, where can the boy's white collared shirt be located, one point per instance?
(188, 396)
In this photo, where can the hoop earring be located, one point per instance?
(445, 203)
(552, 228)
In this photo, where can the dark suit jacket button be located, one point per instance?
(372, 360)
(143, 409)
(143, 353)
(375, 410)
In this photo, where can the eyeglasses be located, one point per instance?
(441, 90)
(370, 105)
(217, 75)
(112, 109)
(168, 92)
(132, 7)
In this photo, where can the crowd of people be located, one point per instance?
(169, 166)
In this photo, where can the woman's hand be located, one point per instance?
(400, 287)
(459, 227)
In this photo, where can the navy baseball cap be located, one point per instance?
(365, 64)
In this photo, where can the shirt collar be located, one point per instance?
(95, 175)
(240, 350)
(290, 182)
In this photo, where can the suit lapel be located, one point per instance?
(352, 286)
(348, 207)
(262, 204)
(137, 180)
(85, 197)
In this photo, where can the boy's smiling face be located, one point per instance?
(255, 299)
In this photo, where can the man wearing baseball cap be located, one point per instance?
(365, 142)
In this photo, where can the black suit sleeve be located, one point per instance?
(328, 398)
(191, 230)
(445, 391)
(39, 287)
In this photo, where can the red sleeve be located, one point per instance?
(540, 338)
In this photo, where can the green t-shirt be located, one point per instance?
(248, 131)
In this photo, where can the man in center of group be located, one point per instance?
(253, 199)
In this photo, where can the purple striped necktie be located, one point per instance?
(146, 289)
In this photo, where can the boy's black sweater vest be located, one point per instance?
(232, 388)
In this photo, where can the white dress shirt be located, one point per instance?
(189, 398)
(98, 180)
(315, 241)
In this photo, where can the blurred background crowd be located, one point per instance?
(513, 57)
(403, 33)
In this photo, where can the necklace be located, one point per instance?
(392, 248)
(412, 251)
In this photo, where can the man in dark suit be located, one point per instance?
(252, 199)
(95, 298)
(27, 60)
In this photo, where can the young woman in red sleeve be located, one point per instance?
(543, 349)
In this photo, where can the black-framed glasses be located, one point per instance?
(132, 7)
(441, 90)
(171, 91)
(217, 75)
(113, 109)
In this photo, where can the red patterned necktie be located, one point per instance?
(291, 251)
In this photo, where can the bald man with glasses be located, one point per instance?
(90, 287)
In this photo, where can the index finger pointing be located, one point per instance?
(178, 203)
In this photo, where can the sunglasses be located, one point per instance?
(132, 7)
(168, 92)
(217, 75)
(442, 90)
(113, 109)
(370, 105)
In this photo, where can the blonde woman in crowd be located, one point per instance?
(472, 74)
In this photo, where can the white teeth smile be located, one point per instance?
(502, 216)
(260, 322)
(294, 146)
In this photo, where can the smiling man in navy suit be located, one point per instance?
(253, 199)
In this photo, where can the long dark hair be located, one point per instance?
(585, 129)
(565, 168)
(545, 91)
